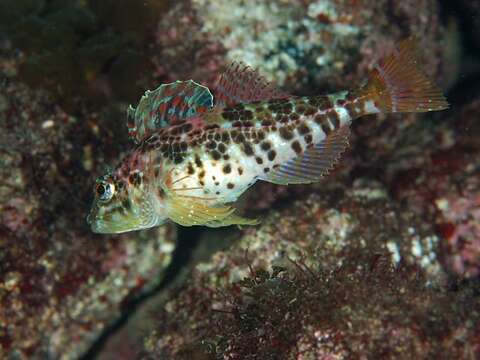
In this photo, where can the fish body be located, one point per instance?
(192, 158)
(247, 142)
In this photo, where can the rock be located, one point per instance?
(60, 284)
(337, 274)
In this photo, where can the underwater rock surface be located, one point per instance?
(286, 40)
(60, 284)
(337, 275)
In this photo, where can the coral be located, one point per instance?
(333, 276)
(61, 285)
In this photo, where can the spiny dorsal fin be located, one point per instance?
(169, 104)
(240, 83)
(314, 162)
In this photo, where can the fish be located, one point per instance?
(196, 151)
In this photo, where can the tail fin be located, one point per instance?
(397, 84)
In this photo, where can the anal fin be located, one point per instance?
(314, 163)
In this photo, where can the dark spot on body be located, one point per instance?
(300, 108)
(297, 147)
(286, 133)
(230, 185)
(308, 139)
(266, 145)
(247, 115)
(326, 129)
(266, 170)
(178, 159)
(222, 148)
(176, 147)
(190, 169)
(215, 155)
(259, 160)
(271, 155)
(310, 111)
(240, 171)
(320, 119)
(227, 169)
(247, 149)
(198, 162)
(334, 118)
(164, 148)
(225, 137)
(201, 175)
(239, 138)
(303, 129)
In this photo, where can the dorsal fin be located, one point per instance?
(240, 83)
(169, 104)
(313, 163)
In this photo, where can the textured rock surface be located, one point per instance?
(334, 275)
(305, 46)
(60, 284)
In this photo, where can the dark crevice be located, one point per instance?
(188, 240)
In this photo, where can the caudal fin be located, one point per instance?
(397, 84)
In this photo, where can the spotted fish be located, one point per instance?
(195, 154)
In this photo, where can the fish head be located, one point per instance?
(122, 205)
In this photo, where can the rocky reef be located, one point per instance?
(379, 260)
(335, 275)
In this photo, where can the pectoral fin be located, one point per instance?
(189, 211)
(233, 219)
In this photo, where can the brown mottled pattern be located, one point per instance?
(245, 125)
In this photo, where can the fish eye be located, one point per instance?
(104, 190)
